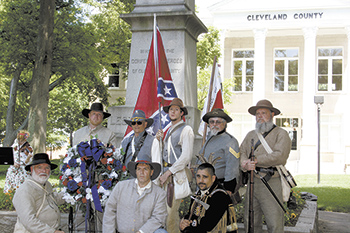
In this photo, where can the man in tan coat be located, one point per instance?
(35, 202)
(265, 163)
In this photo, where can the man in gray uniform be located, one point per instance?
(222, 147)
(140, 145)
(177, 155)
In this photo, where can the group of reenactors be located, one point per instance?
(161, 168)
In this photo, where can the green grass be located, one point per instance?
(333, 192)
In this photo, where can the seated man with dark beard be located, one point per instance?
(265, 163)
(35, 202)
(223, 148)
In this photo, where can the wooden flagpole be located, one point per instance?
(155, 55)
(209, 99)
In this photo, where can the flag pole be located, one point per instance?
(209, 98)
(155, 53)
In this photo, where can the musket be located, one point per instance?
(271, 191)
(251, 194)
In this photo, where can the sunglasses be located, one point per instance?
(136, 122)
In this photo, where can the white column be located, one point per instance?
(221, 61)
(308, 149)
(346, 88)
(259, 64)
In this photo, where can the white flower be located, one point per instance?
(104, 191)
(68, 172)
(109, 160)
(78, 179)
(69, 199)
(113, 175)
(88, 194)
(78, 196)
(66, 159)
(117, 154)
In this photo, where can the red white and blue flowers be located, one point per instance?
(90, 170)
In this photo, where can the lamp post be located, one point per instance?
(319, 100)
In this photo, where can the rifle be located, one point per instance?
(251, 194)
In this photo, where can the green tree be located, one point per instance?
(207, 48)
(78, 59)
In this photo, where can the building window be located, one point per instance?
(287, 122)
(291, 125)
(243, 70)
(113, 80)
(330, 69)
(286, 69)
(331, 133)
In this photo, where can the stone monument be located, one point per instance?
(179, 27)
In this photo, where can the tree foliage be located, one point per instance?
(207, 48)
(83, 49)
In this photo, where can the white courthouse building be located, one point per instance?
(289, 52)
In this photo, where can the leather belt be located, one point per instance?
(165, 164)
(266, 170)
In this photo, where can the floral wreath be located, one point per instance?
(90, 170)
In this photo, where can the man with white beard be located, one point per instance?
(265, 163)
(35, 202)
(223, 147)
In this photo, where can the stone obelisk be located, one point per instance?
(180, 28)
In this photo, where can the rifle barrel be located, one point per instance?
(251, 194)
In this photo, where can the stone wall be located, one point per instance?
(8, 220)
(307, 222)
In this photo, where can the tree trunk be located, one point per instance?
(41, 77)
(10, 132)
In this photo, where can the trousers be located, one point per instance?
(265, 204)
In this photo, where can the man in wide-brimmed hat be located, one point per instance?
(177, 154)
(137, 205)
(140, 145)
(271, 148)
(96, 115)
(221, 147)
(35, 202)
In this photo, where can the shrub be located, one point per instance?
(6, 200)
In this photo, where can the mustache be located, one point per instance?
(201, 183)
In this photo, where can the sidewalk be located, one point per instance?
(333, 222)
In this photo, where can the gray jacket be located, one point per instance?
(126, 211)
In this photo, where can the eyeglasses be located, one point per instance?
(136, 122)
(212, 122)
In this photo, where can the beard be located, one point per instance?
(41, 177)
(264, 127)
(214, 130)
